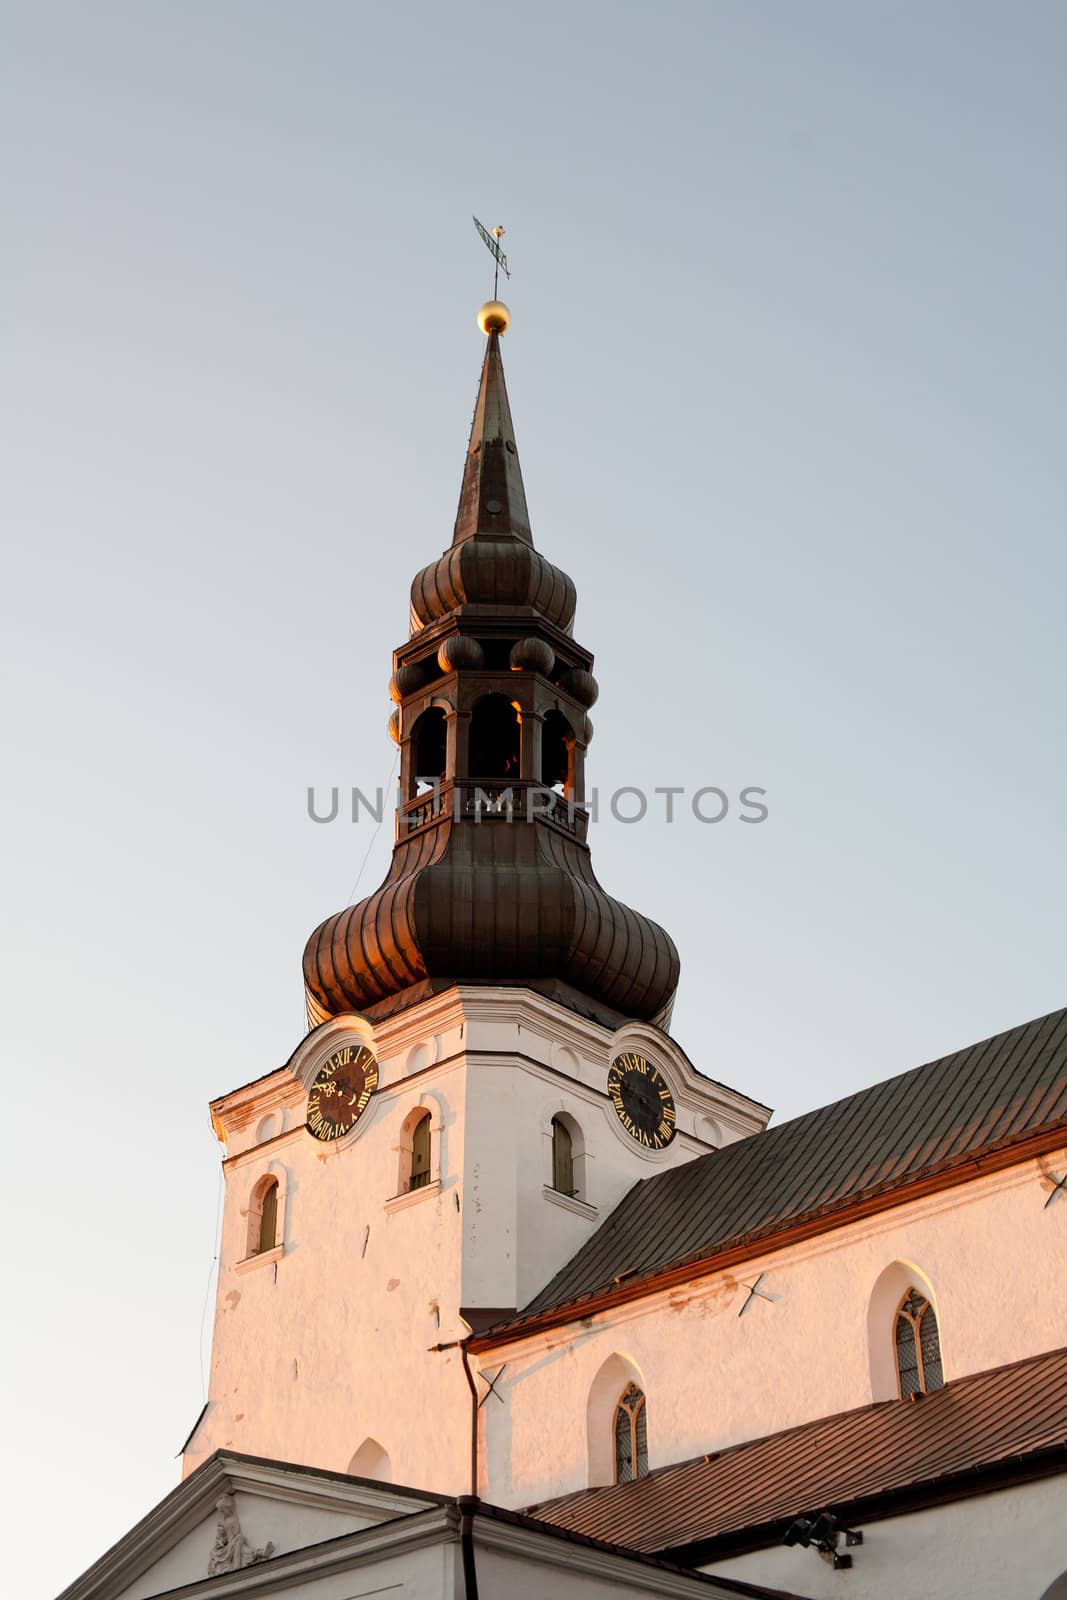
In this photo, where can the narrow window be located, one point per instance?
(428, 746)
(557, 747)
(420, 1153)
(918, 1346)
(562, 1158)
(494, 740)
(631, 1438)
(268, 1217)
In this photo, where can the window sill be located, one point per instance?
(413, 1196)
(569, 1202)
(261, 1258)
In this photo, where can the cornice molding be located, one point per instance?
(463, 1009)
(193, 1502)
(234, 1112)
(316, 1561)
(317, 1047)
(412, 1197)
(570, 1202)
(261, 1259)
(407, 1523)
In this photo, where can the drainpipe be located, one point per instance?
(468, 1506)
(461, 1346)
(468, 1374)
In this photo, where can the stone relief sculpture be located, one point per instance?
(232, 1550)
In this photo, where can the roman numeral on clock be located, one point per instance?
(642, 1100)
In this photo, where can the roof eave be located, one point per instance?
(1007, 1473)
(839, 1214)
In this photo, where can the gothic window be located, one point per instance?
(420, 1153)
(562, 1157)
(494, 740)
(263, 1217)
(918, 1346)
(631, 1439)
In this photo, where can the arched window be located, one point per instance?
(428, 745)
(631, 1437)
(562, 1157)
(616, 1377)
(268, 1220)
(263, 1217)
(420, 1153)
(494, 740)
(557, 743)
(918, 1346)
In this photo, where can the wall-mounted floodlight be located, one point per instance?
(822, 1532)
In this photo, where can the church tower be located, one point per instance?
(486, 1071)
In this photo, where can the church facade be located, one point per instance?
(513, 1297)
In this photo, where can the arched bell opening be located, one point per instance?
(494, 740)
(557, 754)
(428, 750)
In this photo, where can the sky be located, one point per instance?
(785, 368)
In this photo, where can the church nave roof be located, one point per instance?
(977, 1433)
(989, 1102)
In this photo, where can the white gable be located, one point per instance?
(233, 1510)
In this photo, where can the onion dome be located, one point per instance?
(502, 903)
(532, 655)
(491, 880)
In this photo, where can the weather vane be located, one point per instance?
(491, 238)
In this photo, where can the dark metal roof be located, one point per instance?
(505, 898)
(973, 1423)
(980, 1099)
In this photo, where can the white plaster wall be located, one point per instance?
(997, 1263)
(326, 1341)
(329, 1345)
(516, 1237)
(1006, 1546)
(529, 1060)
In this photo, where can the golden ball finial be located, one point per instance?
(494, 317)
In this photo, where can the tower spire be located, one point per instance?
(492, 695)
(492, 499)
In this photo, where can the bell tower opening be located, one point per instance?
(557, 753)
(494, 740)
(491, 692)
(429, 745)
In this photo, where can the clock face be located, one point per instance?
(643, 1103)
(341, 1091)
